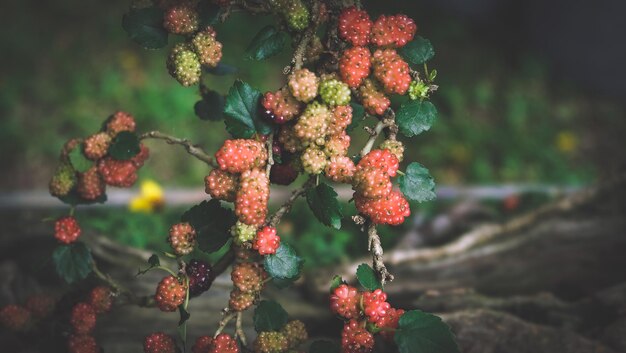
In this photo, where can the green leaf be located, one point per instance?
(208, 14)
(212, 223)
(415, 117)
(210, 107)
(417, 184)
(124, 146)
(79, 161)
(336, 282)
(269, 316)
(72, 262)
(284, 264)
(420, 332)
(358, 115)
(418, 51)
(154, 260)
(268, 42)
(145, 27)
(323, 346)
(323, 202)
(221, 69)
(282, 283)
(242, 112)
(367, 277)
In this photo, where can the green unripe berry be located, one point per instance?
(334, 92)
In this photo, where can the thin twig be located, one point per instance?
(270, 154)
(376, 249)
(228, 316)
(239, 328)
(132, 298)
(300, 51)
(192, 149)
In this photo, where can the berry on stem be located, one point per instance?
(83, 318)
(82, 344)
(66, 229)
(170, 294)
(271, 342)
(200, 276)
(202, 344)
(252, 197)
(280, 106)
(15, 317)
(391, 70)
(295, 332)
(96, 146)
(240, 155)
(206, 46)
(355, 26)
(303, 84)
(356, 339)
(181, 18)
(375, 305)
(334, 92)
(314, 160)
(248, 277)
(63, 180)
(118, 173)
(159, 342)
(340, 169)
(240, 301)
(395, 31)
(266, 241)
(221, 185)
(101, 299)
(354, 66)
(344, 301)
(90, 184)
(283, 174)
(184, 65)
(373, 99)
(118, 122)
(182, 238)
(391, 209)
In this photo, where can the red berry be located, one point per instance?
(96, 146)
(373, 99)
(15, 317)
(380, 159)
(344, 301)
(303, 84)
(238, 156)
(101, 299)
(283, 174)
(181, 18)
(394, 31)
(375, 305)
(392, 71)
(200, 276)
(224, 343)
(83, 318)
(66, 230)
(252, 197)
(221, 185)
(340, 169)
(90, 184)
(355, 65)
(355, 26)
(82, 344)
(391, 209)
(248, 277)
(41, 305)
(389, 321)
(337, 145)
(266, 242)
(312, 125)
(356, 339)
(140, 158)
(240, 301)
(202, 344)
(118, 173)
(371, 183)
(208, 49)
(281, 106)
(159, 342)
(170, 293)
(182, 238)
(118, 122)
(340, 119)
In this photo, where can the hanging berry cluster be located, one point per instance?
(346, 68)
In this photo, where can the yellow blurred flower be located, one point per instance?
(150, 198)
(566, 141)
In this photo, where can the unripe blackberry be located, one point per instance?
(373, 99)
(182, 238)
(66, 230)
(355, 26)
(221, 185)
(395, 31)
(334, 92)
(15, 317)
(206, 46)
(280, 106)
(202, 344)
(375, 305)
(63, 180)
(356, 339)
(240, 301)
(243, 233)
(337, 145)
(391, 70)
(118, 122)
(170, 293)
(184, 65)
(391, 209)
(266, 241)
(390, 323)
(297, 15)
(101, 299)
(289, 140)
(283, 174)
(354, 66)
(96, 146)
(118, 173)
(314, 160)
(181, 18)
(40, 306)
(371, 183)
(248, 277)
(380, 159)
(252, 197)
(271, 342)
(340, 169)
(344, 301)
(159, 342)
(340, 119)
(224, 343)
(82, 344)
(83, 318)
(240, 155)
(295, 332)
(394, 146)
(90, 184)
(200, 276)
(312, 126)
(303, 84)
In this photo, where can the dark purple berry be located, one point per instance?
(283, 174)
(200, 276)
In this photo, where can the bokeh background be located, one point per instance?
(531, 96)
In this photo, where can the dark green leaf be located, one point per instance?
(367, 277)
(419, 332)
(284, 264)
(145, 27)
(323, 202)
(124, 146)
(210, 107)
(72, 262)
(418, 51)
(282, 283)
(268, 42)
(242, 112)
(358, 115)
(417, 184)
(182, 326)
(184, 314)
(269, 316)
(154, 260)
(79, 161)
(212, 223)
(415, 117)
(208, 14)
(336, 282)
(221, 69)
(323, 346)
(74, 198)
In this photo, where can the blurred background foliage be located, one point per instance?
(505, 116)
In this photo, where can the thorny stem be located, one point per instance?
(286, 207)
(192, 149)
(374, 246)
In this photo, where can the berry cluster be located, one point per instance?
(248, 281)
(170, 293)
(287, 339)
(83, 320)
(17, 317)
(294, 12)
(182, 238)
(66, 230)
(223, 343)
(358, 309)
(159, 342)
